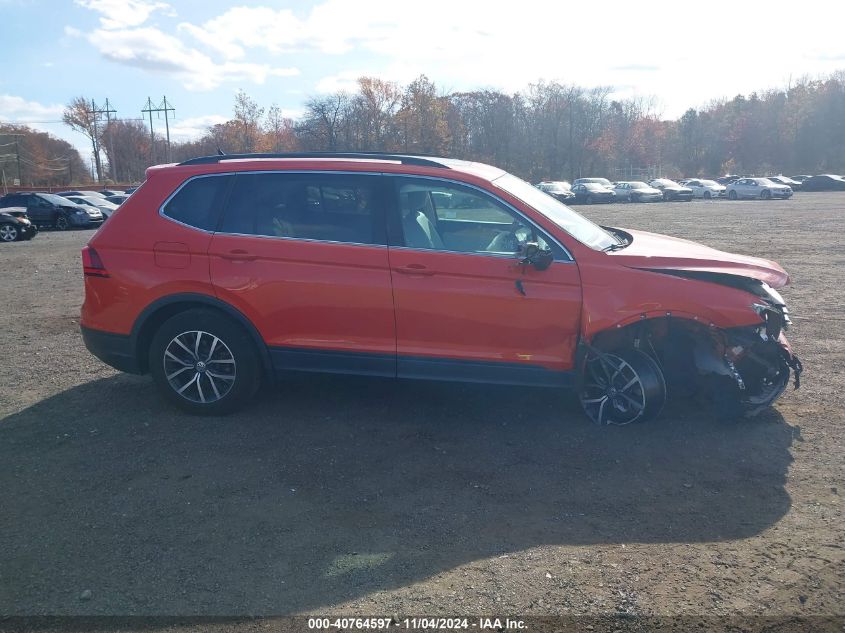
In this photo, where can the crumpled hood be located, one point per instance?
(662, 252)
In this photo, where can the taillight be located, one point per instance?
(92, 265)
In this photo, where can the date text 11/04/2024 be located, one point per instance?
(425, 623)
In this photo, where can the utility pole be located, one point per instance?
(95, 113)
(18, 157)
(112, 162)
(163, 107)
(149, 110)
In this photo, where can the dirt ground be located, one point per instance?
(364, 496)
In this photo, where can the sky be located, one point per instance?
(199, 53)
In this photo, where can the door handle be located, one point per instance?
(239, 255)
(415, 269)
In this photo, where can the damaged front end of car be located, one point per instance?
(744, 369)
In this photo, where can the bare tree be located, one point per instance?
(79, 115)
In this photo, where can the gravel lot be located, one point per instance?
(364, 496)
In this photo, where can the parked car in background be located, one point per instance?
(671, 189)
(81, 193)
(727, 179)
(824, 182)
(188, 284)
(15, 226)
(786, 180)
(761, 188)
(703, 188)
(106, 207)
(118, 199)
(47, 209)
(130, 190)
(558, 189)
(637, 191)
(801, 178)
(110, 192)
(598, 181)
(592, 193)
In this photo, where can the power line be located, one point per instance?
(162, 107)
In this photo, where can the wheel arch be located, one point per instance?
(166, 307)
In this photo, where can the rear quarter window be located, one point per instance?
(198, 202)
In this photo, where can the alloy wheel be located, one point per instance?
(620, 390)
(199, 367)
(62, 223)
(8, 233)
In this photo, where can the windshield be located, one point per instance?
(573, 223)
(709, 183)
(60, 200)
(639, 185)
(556, 188)
(763, 181)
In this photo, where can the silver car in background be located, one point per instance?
(706, 189)
(637, 191)
(757, 188)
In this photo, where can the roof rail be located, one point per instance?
(405, 159)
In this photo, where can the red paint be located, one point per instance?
(329, 296)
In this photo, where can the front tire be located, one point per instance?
(204, 363)
(61, 222)
(621, 387)
(732, 194)
(765, 194)
(9, 233)
(706, 195)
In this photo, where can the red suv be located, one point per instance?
(224, 271)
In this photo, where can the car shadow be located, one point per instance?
(327, 489)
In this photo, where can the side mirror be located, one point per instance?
(531, 253)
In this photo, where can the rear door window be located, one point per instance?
(325, 207)
(198, 202)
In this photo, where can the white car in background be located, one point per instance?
(105, 207)
(637, 191)
(706, 189)
(761, 188)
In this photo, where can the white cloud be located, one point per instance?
(19, 110)
(194, 127)
(155, 51)
(347, 81)
(472, 43)
(118, 14)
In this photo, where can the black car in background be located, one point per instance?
(48, 209)
(592, 193)
(800, 178)
(824, 182)
(15, 226)
(558, 190)
(671, 190)
(786, 180)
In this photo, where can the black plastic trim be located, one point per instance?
(405, 159)
(388, 365)
(113, 349)
(204, 300)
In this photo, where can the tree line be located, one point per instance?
(555, 131)
(548, 130)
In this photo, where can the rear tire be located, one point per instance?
(204, 363)
(621, 387)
